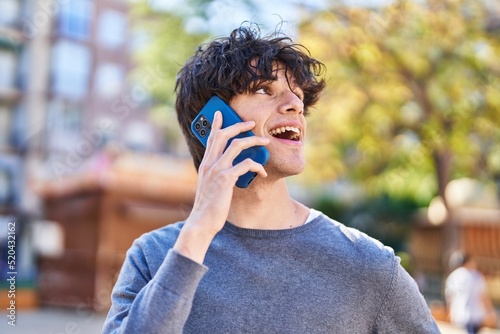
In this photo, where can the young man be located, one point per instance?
(254, 260)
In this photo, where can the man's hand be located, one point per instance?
(216, 180)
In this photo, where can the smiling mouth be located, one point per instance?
(286, 132)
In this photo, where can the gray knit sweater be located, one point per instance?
(321, 277)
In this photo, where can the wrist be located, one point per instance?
(193, 243)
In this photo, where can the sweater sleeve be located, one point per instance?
(404, 309)
(161, 304)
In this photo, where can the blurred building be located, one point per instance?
(92, 220)
(64, 97)
(11, 45)
(14, 94)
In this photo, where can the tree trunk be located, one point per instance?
(442, 162)
(451, 237)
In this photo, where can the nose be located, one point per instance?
(291, 103)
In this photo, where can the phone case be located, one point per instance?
(202, 124)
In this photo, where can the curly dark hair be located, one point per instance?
(237, 64)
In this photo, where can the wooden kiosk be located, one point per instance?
(100, 214)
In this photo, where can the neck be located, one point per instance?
(266, 206)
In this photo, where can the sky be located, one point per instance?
(225, 15)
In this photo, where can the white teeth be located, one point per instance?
(277, 131)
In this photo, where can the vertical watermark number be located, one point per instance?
(11, 273)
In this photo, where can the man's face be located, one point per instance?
(278, 112)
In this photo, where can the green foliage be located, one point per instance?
(383, 217)
(413, 95)
(166, 48)
(406, 261)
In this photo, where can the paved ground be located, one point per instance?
(446, 328)
(53, 321)
(61, 321)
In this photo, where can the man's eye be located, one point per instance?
(261, 91)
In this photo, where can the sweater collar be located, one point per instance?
(269, 234)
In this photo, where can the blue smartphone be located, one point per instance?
(202, 124)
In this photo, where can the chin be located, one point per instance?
(284, 169)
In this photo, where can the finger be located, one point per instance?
(228, 177)
(240, 144)
(217, 122)
(248, 165)
(229, 132)
(235, 129)
(216, 125)
(217, 141)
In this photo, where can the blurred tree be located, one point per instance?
(386, 218)
(164, 46)
(413, 95)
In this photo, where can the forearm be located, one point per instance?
(217, 177)
(161, 305)
(193, 242)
